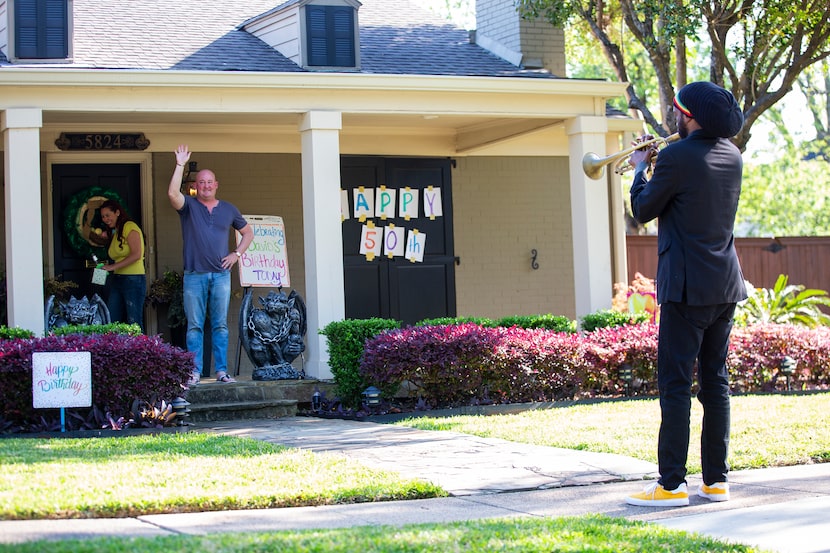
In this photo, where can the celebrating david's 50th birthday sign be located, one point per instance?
(385, 203)
(265, 262)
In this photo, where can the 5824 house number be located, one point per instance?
(102, 141)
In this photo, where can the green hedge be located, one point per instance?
(345, 341)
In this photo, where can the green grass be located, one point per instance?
(593, 533)
(767, 430)
(185, 472)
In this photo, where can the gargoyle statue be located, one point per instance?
(273, 335)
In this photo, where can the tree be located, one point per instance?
(756, 49)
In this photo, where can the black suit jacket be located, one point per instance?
(694, 193)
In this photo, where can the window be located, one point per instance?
(41, 29)
(331, 36)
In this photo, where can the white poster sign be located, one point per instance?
(61, 379)
(265, 262)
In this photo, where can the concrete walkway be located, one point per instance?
(781, 509)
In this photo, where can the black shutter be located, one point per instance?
(330, 31)
(41, 29)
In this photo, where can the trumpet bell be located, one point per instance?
(593, 165)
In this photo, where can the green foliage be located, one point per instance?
(557, 323)
(7, 333)
(168, 290)
(111, 328)
(609, 318)
(783, 303)
(345, 341)
(787, 197)
(438, 321)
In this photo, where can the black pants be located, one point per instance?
(688, 334)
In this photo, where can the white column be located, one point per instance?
(619, 257)
(24, 225)
(589, 218)
(324, 287)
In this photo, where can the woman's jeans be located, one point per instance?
(207, 294)
(126, 299)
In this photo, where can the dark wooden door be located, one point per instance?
(398, 288)
(77, 191)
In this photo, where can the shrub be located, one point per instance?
(557, 323)
(756, 352)
(607, 349)
(607, 318)
(116, 328)
(345, 341)
(440, 321)
(468, 363)
(124, 368)
(7, 333)
(783, 304)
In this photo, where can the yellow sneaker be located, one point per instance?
(655, 495)
(719, 491)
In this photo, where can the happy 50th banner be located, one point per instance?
(387, 203)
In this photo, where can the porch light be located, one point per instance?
(189, 178)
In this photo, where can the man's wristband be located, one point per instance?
(237, 253)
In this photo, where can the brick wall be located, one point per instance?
(504, 208)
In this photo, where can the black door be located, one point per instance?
(397, 288)
(77, 192)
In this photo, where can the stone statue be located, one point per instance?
(273, 334)
(76, 312)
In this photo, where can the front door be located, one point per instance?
(77, 192)
(397, 288)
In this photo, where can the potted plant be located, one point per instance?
(168, 291)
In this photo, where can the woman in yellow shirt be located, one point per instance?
(128, 283)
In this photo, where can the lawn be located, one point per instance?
(188, 472)
(767, 430)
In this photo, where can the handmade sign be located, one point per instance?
(265, 262)
(61, 379)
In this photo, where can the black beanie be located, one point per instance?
(714, 108)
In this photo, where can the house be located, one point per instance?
(298, 107)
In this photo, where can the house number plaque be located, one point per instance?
(100, 141)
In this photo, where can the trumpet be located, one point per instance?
(593, 164)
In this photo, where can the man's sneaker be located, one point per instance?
(194, 380)
(655, 495)
(719, 491)
(224, 377)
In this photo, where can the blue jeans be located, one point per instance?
(126, 299)
(207, 294)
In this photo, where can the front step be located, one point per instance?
(248, 399)
(272, 409)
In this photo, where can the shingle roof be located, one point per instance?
(396, 36)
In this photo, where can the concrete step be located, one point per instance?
(249, 399)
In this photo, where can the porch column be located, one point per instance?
(24, 225)
(323, 247)
(590, 213)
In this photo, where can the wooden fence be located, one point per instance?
(806, 260)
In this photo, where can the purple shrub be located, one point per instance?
(756, 352)
(124, 368)
(606, 349)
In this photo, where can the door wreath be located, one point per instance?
(82, 224)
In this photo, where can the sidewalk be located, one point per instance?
(779, 509)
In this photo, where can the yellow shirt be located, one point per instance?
(118, 251)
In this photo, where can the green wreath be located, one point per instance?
(82, 224)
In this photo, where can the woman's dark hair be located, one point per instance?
(114, 206)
